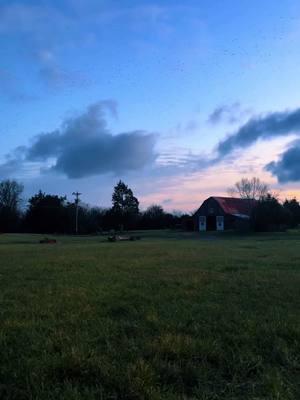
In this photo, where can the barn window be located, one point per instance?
(211, 210)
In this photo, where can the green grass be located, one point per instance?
(172, 316)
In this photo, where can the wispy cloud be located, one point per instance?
(42, 28)
(232, 114)
(53, 75)
(51, 27)
(263, 127)
(29, 18)
(185, 128)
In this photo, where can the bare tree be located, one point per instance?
(10, 194)
(252, 188)
(10, 198)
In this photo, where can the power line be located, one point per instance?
(76, 194)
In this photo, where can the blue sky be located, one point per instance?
(145, 91)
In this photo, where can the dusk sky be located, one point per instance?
(180, 99)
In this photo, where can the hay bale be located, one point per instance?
(48, 241)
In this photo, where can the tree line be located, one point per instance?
(269, 214)
(48, 213)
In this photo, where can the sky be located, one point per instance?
(180, 99)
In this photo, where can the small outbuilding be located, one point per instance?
(223, 213)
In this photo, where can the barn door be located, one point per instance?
(220, 223)
(202, 223)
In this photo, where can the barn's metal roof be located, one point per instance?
(235, 206)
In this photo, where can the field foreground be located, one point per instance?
(169, 317)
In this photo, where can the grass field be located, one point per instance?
(172, 316)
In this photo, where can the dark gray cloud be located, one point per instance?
(263, 127)
(232, 113)
(287, 168)
(98, 155)
(84, 146)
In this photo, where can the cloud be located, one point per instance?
(287, 168)
(56, 77)
(167, 201)
(232, 113)
(14, 162)
(191, 126)
(185, 128)
(268, 126)
(272, 125)
(84, 146)
(31, 19)
(53, 75)
(9, 167)
(41, 28)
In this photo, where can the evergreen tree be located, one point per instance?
(125, 207)
(269, 215)
(294, 208)
(47, 214)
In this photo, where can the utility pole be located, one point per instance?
(76, 194)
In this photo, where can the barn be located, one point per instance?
(223, 213)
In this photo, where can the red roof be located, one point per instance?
(235, 206)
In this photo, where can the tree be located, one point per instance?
(153, 217)
(294, 209)
(155, 211)
(269, 215)
(10, 199)
(90, 218)
(125, 205)
(10, 194)
(47, 214)
(249, 189)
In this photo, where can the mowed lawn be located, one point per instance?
(173, 316)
